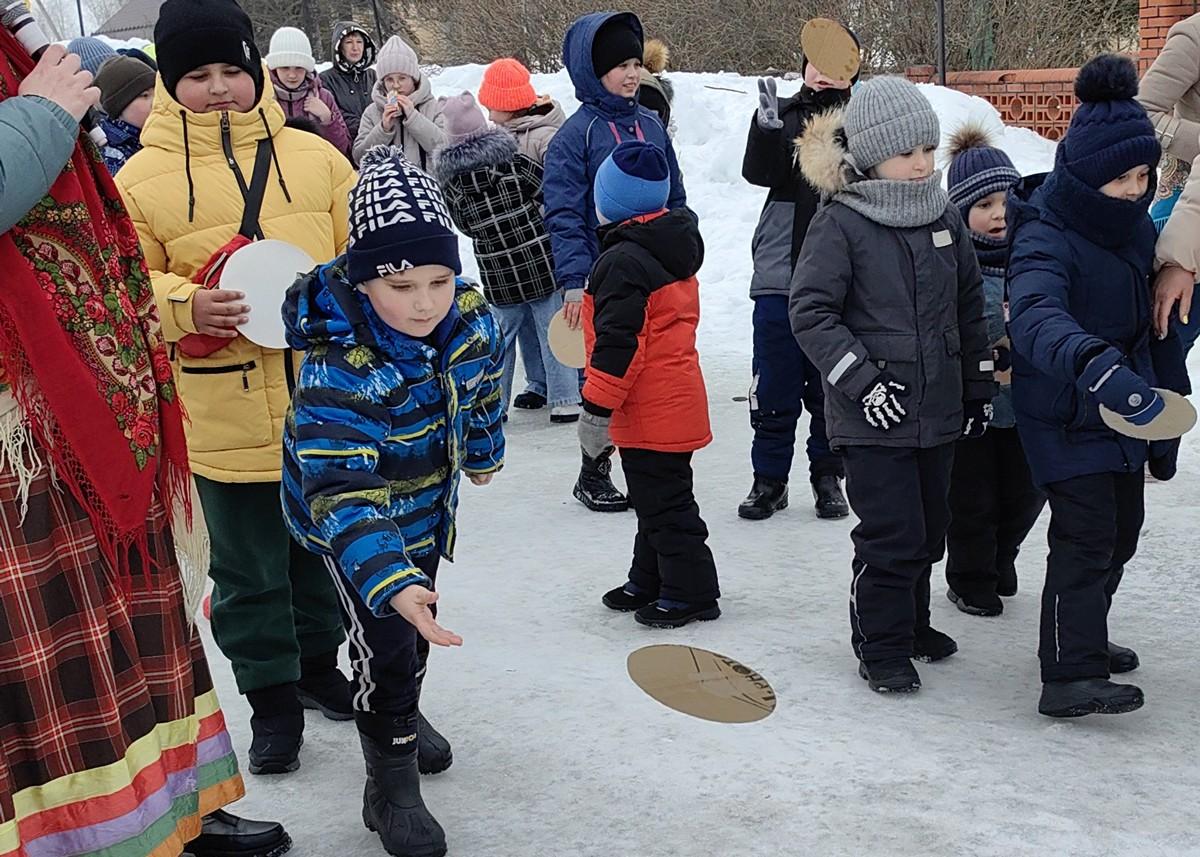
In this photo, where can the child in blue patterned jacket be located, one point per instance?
(397, 396)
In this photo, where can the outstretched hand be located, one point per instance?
(413, 603)
(768, 104)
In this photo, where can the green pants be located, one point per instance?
(273, 602)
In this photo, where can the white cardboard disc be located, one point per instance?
(567, 344)
(1178, 417)
(264, 271)
(701, 683)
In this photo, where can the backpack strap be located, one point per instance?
(253, 195)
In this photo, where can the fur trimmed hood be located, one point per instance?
(821, 152)
(493, 148)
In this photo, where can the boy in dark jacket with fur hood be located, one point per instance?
(494, 194)
(886, 301)
(785, 381)
(645, 392)
(1080, 321)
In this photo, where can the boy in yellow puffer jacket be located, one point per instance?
(275, 612)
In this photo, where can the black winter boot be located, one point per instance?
(830, 501)
(976, 603)
(930, 645)
(223, 834)
(659, 615)
(529, 401)
(278, 727)
(392, 804)
(1007, 585)
(595, 488)
(323, 688)
(892, 676)
(1121, 659)
(433, 750)
(1088, 696)
(766, 497)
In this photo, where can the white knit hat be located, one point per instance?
(290, 47)
(397, 57)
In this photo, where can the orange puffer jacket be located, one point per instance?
(640, 313)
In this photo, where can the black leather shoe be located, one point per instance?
(226, 835)
(830, 501)
(766, 497)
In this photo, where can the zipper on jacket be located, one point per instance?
(227, 147)
(244, 368)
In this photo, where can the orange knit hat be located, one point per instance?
(506, 86)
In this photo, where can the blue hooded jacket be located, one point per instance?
(579, 148)
(1079, 285)
(381, 427)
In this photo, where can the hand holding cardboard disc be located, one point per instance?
(567, 344)
(701, 683)
(1178, 417)
(264, 271)
(831, 49)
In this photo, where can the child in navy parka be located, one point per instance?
(1080, 324)
(602, 52)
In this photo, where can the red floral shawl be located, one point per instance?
(81, 345)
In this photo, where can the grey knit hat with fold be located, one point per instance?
(888, 116)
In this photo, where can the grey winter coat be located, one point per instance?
(350, 83)
(419, 135)
(868, 299)
(37, 138)
(536, 129)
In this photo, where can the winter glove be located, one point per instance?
(1120, 389)
(977, 415)
(593, 434)
(768, 105)
(1163, 457)
(881, 404)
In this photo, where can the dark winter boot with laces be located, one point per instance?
(433, 750)
(323, 688)
(830, 501)
(392, 803)
(278, 728)
(595, 487)
(1088, 696)
(766, 497)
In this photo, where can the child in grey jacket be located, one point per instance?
(404, 112)
(886, 302)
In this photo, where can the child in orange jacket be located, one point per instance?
(640, 312)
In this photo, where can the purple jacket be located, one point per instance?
(292, 102)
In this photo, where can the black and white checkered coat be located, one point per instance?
(494, 194)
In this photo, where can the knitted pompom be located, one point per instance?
(655, 56)
(970, 135)
(379, 154)
(1108, 77)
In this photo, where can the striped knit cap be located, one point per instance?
(977, 168)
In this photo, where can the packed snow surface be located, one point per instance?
(558, 753)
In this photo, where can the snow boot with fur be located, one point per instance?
(392, 803)
(595, 488)
(766, 497)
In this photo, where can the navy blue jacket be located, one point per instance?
(381, 427)
(580, 147)
(1079, 283)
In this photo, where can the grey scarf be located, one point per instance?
(896, 203)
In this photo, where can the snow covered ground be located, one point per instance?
(558, 753)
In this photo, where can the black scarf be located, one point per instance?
(1101, 219)
(991, 252)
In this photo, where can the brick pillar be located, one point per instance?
(1155, 18)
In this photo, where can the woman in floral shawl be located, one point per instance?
(111, 738)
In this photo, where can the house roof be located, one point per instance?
(133, 20)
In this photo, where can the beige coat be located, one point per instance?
(535, 130)
(1170, 91)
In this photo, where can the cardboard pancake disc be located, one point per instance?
(567, 344)
(264, 271)
(701, 683)
(832, 50)
(1177, 419)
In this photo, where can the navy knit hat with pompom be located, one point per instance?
(1110, 132)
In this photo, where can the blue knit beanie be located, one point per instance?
(1110, 132)
(977, 168)
(398, 219)
(633, 180)
(91, 52)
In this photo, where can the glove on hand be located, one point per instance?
(1120, 389)
(881, 404)
(768, 105)
(977, 415)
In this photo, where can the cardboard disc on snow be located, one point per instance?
(567, 344)
(832, 50)
(1178, 417)
(265, 270)
(701, 683)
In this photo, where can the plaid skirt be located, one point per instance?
(111, 738)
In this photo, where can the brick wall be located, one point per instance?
(1044, 99)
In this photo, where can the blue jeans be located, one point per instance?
(531, 360)
(784, 383)
(561, 383)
